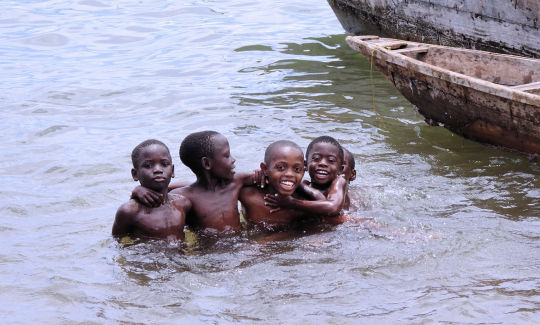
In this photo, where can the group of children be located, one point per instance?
(272, 198)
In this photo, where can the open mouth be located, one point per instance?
(321, 173)
(287, 185)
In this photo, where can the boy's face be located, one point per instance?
(285, 170)
(324, 164)
(154, 168)
(350, 174)
(222, 161)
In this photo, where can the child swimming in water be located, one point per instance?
(153, 168)
(283, 166)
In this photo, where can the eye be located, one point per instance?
(280, 168)
(166, 163)
(298, 169)
(146, 165)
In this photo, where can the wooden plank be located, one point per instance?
(527, 87)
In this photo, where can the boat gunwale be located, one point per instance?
(428, 69)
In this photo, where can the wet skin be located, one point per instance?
(284, 173)
(154, 171)
(214, 196)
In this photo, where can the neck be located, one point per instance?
(209, 182)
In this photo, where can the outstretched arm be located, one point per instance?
(329, 206)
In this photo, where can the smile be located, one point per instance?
(287, 183)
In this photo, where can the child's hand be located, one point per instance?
(259, 178)
(147, 197)
(277, 202)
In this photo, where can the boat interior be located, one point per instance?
(519, 73)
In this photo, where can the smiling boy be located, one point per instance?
(284, 168)
(153, 168)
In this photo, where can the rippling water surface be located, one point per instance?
(84, 81)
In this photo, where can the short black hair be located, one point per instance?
(146, 143)
(325, 139)
(194, 147)
(280, 143)
(351, 158)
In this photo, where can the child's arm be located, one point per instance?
(310, 192)
(255, 178)
(124, 218)
(178, 184)
(330, 206)
(147, 197)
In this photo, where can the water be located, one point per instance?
(83, 82)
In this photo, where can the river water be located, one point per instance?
(84, 81)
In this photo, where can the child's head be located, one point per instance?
(324, 159)
(208, 150)
(348, 166)
(152, 165)
(284, 166)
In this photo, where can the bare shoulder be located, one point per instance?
(180, 201)
(340, 182)
(130, 208)
(250, 190)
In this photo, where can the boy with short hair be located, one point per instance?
(153, 168)
(324, 159)
(284, 169)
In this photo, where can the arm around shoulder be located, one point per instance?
(331, 205)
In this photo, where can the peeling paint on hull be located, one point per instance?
(494, 25)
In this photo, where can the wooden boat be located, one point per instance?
(505, 26)
(488, 97)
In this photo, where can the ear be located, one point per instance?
(341, 168)
(172, 175)
(134, 174)
(353, 175)
(206, 163)
(264, 168)
(305, 164)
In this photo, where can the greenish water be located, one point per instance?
(85, 81)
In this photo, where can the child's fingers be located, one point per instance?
(274, 210)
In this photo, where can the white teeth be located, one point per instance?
(322, 172)
(287, 183)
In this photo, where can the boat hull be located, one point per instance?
(494, 25)
(473, 108)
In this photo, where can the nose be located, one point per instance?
(233, 159)
(157, 168)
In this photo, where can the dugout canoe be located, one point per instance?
(488, 97)
(506, 26)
